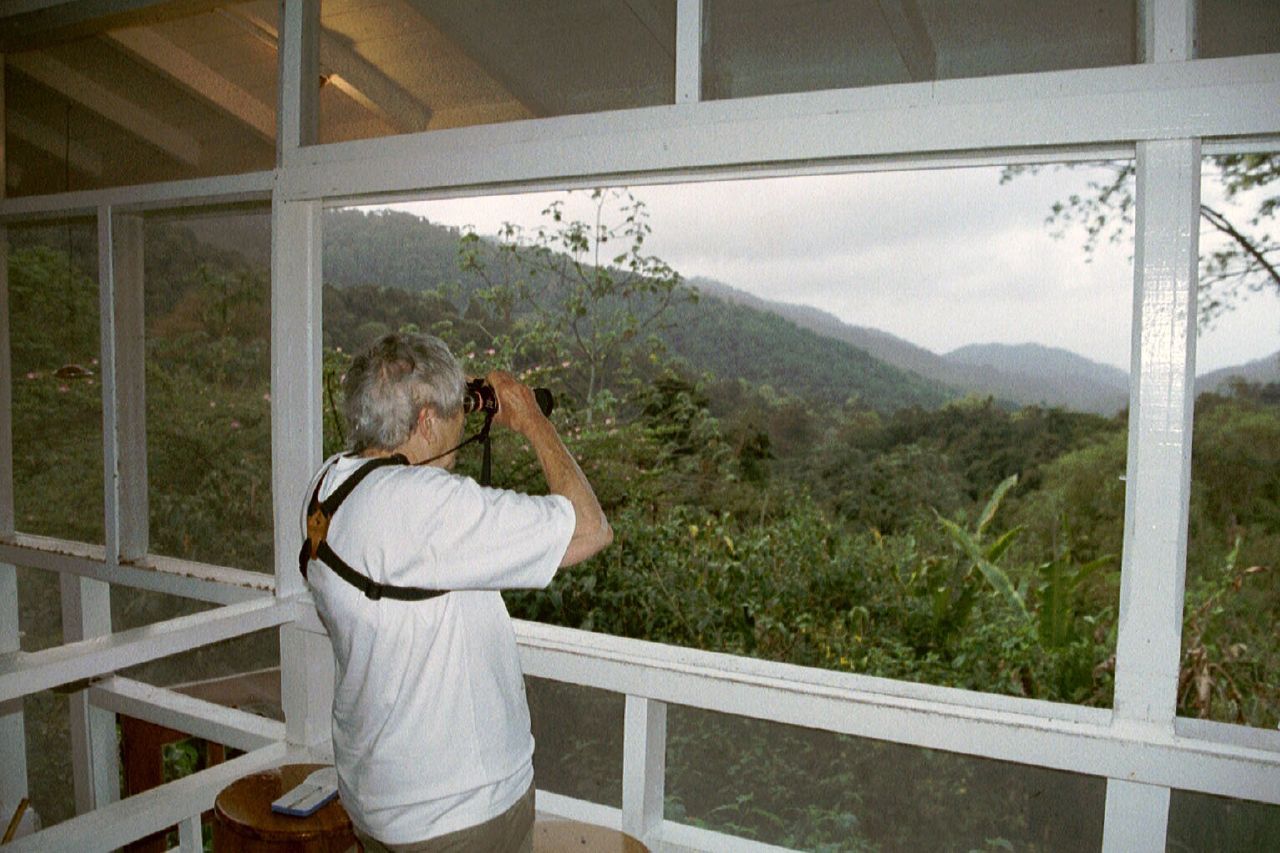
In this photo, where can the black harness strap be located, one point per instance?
(314, 546)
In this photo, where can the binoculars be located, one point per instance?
(479, 396)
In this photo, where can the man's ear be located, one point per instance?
(425, 416)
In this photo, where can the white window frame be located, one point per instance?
(1164, 112)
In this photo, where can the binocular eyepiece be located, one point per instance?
(479, 396)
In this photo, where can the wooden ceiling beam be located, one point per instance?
(171, 60)
(120, 111)
(33, 24)
(911, 38)
(351, 73)
(53, 142)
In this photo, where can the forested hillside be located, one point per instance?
(774, 493)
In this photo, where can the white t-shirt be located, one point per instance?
(430, 722)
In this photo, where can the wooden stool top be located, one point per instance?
(557, 836)
(244, 809)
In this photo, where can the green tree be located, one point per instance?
(582, 294)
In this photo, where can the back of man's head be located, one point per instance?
(394, 379)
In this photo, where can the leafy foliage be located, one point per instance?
(878, 529)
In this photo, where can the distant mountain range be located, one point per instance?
(791, 346)
(1024, 374)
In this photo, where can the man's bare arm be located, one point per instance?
(518, 410)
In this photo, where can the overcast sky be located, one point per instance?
(942, 258)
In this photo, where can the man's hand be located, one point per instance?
(517, 407)
(518, 410)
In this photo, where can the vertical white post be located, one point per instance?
(1158, 479)
(306, 661)
(13, 747)
(299, 110)
(191, 835)
(644, 768)
(688, 51)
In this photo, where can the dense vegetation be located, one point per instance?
(879, 528)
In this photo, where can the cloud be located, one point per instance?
(941, 257)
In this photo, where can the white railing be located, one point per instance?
(1214, 758)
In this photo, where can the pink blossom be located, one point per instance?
(564, 364)
(33, 375)
(267, 397)
(62, 389)
(490, 351)
(235, 425)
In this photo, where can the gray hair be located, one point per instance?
(394, 379)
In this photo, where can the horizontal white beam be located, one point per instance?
(228, 726)
(1058, 736)
(169, 575)
(142, 814)
(230, 189)
(1092, 107)
(24, 673)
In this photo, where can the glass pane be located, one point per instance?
(208, 386)
(1200, 823)
(49, 774)
(57, 395)
(1230, 648)
(1237, 27)
(763, 47)
(398, 66)
(578, 732)
(811, 790)
(795, 462)
(156, 97)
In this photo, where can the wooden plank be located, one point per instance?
(168, 58)
(218, 723)
(115, 108)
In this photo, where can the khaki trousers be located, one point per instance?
(509, 832)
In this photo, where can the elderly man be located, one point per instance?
(430, 723)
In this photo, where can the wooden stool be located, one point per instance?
(570, 836)
(244, 822)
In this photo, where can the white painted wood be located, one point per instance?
(1159, 460)
(86, 603)
(191, 835)
(306, 660)
(688, 51)
(910, 37)
(13, 742)
(299, 52)
(127, 433)
(1220, 97)
(183, 578)
(644, 768)
(92, 95)
(229, 189)
(1132, 811)
(25, 673)
(1062, 737)
(1166, 30)
(139, 815)
(171, 60)
(228, 726)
